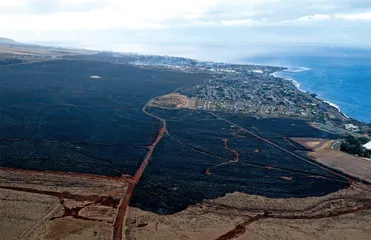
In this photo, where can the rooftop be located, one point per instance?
(367, 145)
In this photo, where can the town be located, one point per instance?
(250, 89)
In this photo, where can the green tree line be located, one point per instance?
(354, 145)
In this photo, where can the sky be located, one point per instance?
(203, 29)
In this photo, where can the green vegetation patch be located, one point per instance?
(354, 145)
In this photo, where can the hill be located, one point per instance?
(7, 40)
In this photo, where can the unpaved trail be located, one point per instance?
(241, 228)
(285, 150)
(236, 158)
(124, 203)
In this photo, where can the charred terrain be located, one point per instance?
(107, 146)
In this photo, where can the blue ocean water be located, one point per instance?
(341, 79)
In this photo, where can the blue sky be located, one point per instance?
(188, 27)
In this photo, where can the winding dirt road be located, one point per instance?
(236, 158)
(285, 150)
(257, 165)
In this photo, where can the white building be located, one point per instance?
(367, 146)
(351, 127)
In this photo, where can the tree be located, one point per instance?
(345, 146)
(351, 140)
(363, 140)
(353, 145)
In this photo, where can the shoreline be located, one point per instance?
(297, 85)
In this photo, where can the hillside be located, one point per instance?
(7, 40)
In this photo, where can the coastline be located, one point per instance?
(335, 106)
(297, 84)
(293, 81)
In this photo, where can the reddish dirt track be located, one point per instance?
(267, 167)
(119, 221)
(236, 158)
(231, 150)
(68, 174)
(283, 149)
(240, 229)
(103, 200)
(73, 212)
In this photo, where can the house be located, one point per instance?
(351, 127)
(367, 149)
(367, 146)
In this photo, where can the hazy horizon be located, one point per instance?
(228, 28)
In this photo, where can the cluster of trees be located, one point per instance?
(354, 145)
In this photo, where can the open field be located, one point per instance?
(314, 144)
(50, 205)
(355, 166)
(341, 215)
(34, 50)
(323, 153)
(173, 100)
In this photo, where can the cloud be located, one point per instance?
(45, 15)
(102, 22)
(13, 3)
(126, 14)
(73, 21)
(240, 22)
(354, 16)
(75, 2)
(315, 17)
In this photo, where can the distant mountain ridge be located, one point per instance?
(7, 40)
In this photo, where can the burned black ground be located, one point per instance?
(53, 116)
(176, 178)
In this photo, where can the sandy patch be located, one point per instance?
(229, 218)
(47, 205)
(173, 100)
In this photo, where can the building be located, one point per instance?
(367, 149)
(351, 127)
(367, 146)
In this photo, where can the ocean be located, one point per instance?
(342, 80)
